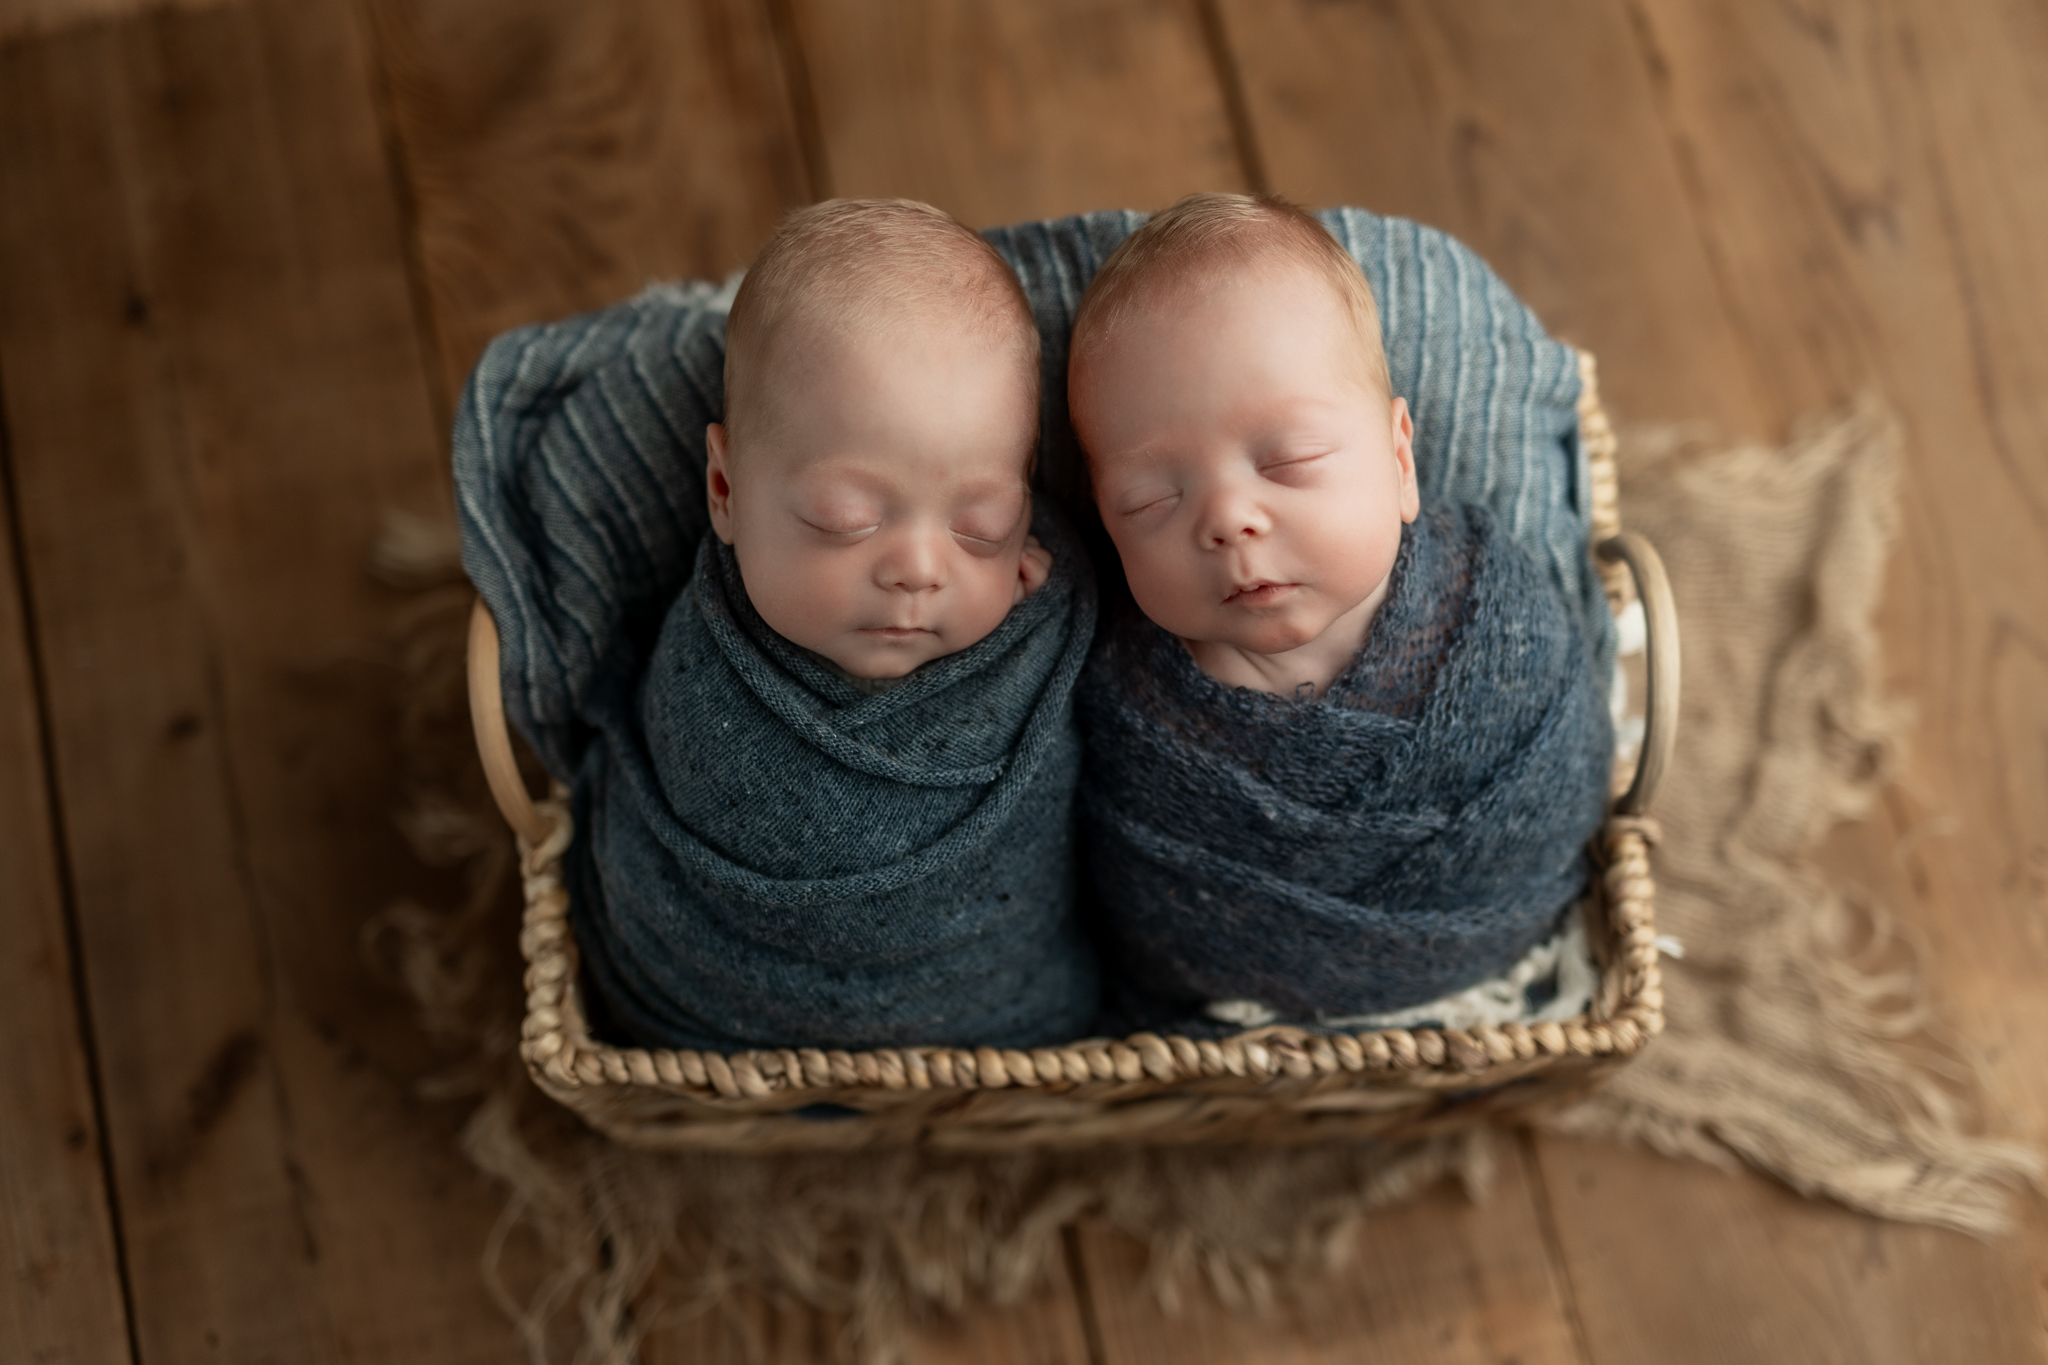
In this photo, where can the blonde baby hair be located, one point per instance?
(1226, 230)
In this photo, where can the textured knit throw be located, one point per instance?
(1416, 830)
(771, 857)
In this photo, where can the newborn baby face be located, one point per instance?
(1253, 479)
(879, 509)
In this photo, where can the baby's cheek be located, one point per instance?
(1164, 593)
(991, 590)
(800, 599)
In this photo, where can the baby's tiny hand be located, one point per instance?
(1033, 568)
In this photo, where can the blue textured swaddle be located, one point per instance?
(1495, 405)
(773, 857)
(765, 855)
(1416, 830)
(579, 463)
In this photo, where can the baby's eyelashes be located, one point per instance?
(981, 545)
(1283, 468)
(1138, 504)
(839, 531)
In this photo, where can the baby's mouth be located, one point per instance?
(896, 632)
(1259, 594)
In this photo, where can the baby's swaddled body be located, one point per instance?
(777, 603)
(1345, 754)
(1414, 830)
(773, 856)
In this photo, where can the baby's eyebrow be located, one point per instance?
(993, 487)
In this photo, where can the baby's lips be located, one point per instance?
(1257, 594)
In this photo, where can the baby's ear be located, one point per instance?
(718, 482)
(1034, 566)
(1404, 455)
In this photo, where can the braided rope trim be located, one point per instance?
(1596, 435)
(1628, 1010)
(563, 1058)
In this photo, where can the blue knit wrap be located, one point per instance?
(771, 857)
(1414, 831)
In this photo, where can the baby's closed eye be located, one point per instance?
(1292, 466)
(844, 528)
(988, 526)
(844, 517)
(1138, 502)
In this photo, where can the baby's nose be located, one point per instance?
(914, 562)
(1231, 518)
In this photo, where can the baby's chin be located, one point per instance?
(879, 657)
(876, 654)
(1274, 633)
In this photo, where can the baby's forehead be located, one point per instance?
(874, 317)
(1272, 281)
(1230, 308)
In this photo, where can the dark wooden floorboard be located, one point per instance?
(1439, 1281)
(560, 156)
(60, 1283)
(214, 391)
(1000, 113)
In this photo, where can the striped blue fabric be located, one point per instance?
(579, 480)
(579, 446)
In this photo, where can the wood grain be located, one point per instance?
(1000, 113)
(1044, 1329)
(1872, 177)
(1868, 177)
(60, 1284)
(1439, 1281)
(26, 19)
(1528, 135)
(214, 390)
(561, 155)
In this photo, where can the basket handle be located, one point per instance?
(1660, 619)
(493, 740)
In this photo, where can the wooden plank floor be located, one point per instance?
(249, 249)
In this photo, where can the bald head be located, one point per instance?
(866, 268)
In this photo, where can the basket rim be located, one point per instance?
(564, 1058)
(566, 1062)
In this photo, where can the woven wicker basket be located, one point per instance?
(1276, 1084)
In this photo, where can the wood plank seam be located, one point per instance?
(803, 100)
(1084, 1294)
(1230, 84)
(1642, 30)
(245, 1052)
(398, 171)
(74, 945)
(1553, 1244)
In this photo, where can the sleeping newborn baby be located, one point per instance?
(1347, 759)
(843, 818)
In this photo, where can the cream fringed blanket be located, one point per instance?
(1783, 1049)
